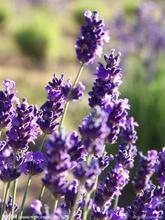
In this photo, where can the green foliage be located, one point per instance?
(148, 101)
(38, 37)
(32, 43)
(130, 10)
(3, 16)
(79, 16)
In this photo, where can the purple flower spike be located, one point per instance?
(52, 109)
(7, 100)
(127, 148)
(78, 91)
(117, 118)
(72, 93)
(34, 163)
(9, 174)
(71, 193)
(24, 129)
(89, 43)
(112, 186)
(87, 173)
(108, 81)
(117, 214)
(160, 169)
(76, 150)
(56, 184)
(148, 205)
(57, 164)
(58, 159)
(94, 130)
(146, 168)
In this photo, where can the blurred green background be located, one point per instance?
(37, 39)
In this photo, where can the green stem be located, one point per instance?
(43, 141)
(87, 198)
(14, 191)
(78, 76)
(14, 197)
(63, 116)
(41, 193)
(6, 191)
(73, 212)
(24, 197)
(115, 204)
(3, 191)
(67, 103)
(55, 204)
(43, 187)
(85, 210)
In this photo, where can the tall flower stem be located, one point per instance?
(14, 197)
(43, 187)
(87, 198)
(115, 204)
(24, 198)
(41, 193)
(67, 103)
(6, 191)
(73, 212)
(43, 141)
(3, 191)
(14, 190)
(55, 204)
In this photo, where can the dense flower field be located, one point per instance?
(73, 163)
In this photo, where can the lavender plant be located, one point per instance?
(140, 32)
(84, 181)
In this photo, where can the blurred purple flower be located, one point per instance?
(127, 149)
(146, 168)
(94, 130)
(112, 186)
(34, 163)
(160, 168)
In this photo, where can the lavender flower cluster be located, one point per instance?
(83, 180)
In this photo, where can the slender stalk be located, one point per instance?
(43, 141)
(85, 210)
(115, 204)
(73, 212)
(14, 197)
(67, 103)
(41, 193)
(24, 198)
(3, 191)
(14, 191)
(6, 191)
(55, 204)
(87, 198)
(78, 76)
(43, 187)
(63, 116)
